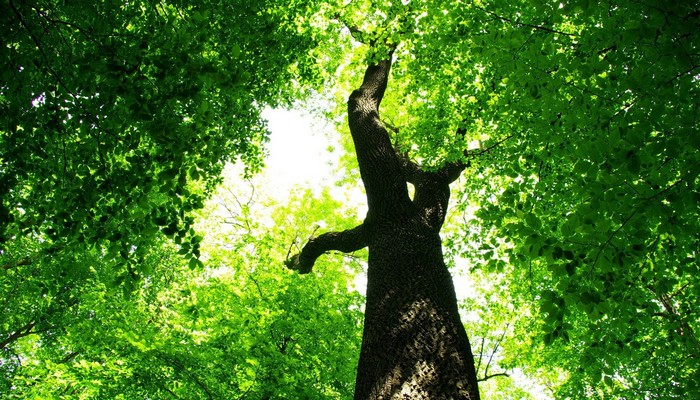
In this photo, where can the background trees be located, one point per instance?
(578, 216)
(597, 221)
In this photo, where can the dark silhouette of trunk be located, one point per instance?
(414, 345)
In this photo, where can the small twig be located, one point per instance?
(495, 349)
(69, 357)
(607, 49)
(389, 125)
(255, 281)
(664, 190)
(540, 27)
(487, 377)
(481, 353)
(17, 263)
(677, 292)
(486, 150)
(170, 391)
(600, 250)
(180, 367)
(316, 228)
(691, 69)
(289, 251)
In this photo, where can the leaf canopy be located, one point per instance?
(578, 216)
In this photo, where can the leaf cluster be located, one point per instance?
(117, 118)
(240, 327)
(590, 210)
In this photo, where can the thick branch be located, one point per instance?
(374, 84)
(432, 188)
(431, 198)
(411, 170)
(380, 168)
(345, 241)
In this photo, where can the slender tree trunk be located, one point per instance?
(414, 345)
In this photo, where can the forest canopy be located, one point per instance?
(128, 269)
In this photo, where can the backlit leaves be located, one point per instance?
(580, 205)
(592, 219)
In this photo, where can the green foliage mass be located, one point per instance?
(117, 117)
(242, 327)
(589, 207)
(582, 199)
(579, 216)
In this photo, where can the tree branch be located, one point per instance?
(411, 170)
(374, 84)
(432, 196)
(69, 357)
(482, 151)
(26, 330)
(602, 247)
(345, 241)
(169, 391)
(380, 168)
(180, 367)
(495, 349)
(451, 171)
(674, 184)
(481, 352)
(487, 377)
(16, 263)
(540, 27)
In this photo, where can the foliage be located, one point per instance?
(243, 327)
(590, 204)
(580, 125)
(579, 214)
(117, 117)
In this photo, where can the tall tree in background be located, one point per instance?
(117, 117)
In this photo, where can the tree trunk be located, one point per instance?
(414, 345)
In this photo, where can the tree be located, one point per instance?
(414, 344)
(580, 181)
(116, 121)
(241, 328)
(117, 117)
(573, 130)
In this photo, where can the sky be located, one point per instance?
(298, 151)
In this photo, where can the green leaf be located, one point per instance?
(194, 263)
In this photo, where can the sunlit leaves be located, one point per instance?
(119, 117)
(241, 323)
(600, 185)
(579, 123)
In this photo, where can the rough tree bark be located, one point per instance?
(414, 345)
